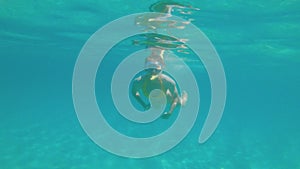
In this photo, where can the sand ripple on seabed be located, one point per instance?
(36, 147)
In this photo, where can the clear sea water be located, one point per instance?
(258, 43)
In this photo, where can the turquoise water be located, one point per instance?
(258, 43)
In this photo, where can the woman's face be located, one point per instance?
(153, 71)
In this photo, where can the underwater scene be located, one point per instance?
(149, 84)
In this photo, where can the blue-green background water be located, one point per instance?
(258, 42)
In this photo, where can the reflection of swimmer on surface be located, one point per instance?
(154, 78)
(167, 6)
(154, 40)
(162, 18)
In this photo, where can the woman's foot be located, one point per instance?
(184, 98)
